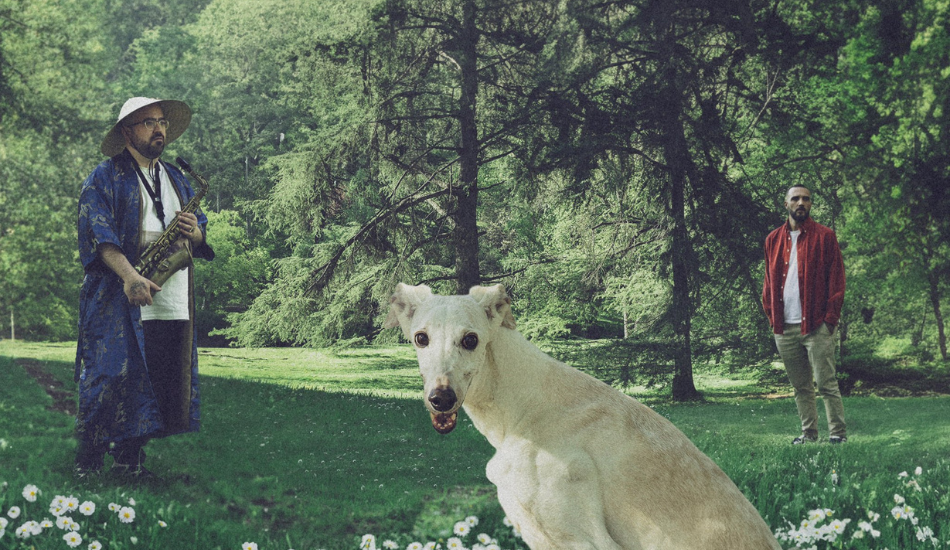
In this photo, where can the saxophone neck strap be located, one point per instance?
(156, 193)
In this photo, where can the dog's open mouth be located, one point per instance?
(444, 423)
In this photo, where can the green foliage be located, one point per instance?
(39, 263)
(334, 152)
(49, 56)
(240, 271)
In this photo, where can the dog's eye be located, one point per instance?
(470, 341)
(422, 339)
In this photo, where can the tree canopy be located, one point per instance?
(616, 165)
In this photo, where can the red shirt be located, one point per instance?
(820, 276)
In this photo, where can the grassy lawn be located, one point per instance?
(309, 449)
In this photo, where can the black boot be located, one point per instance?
(129, 457)
(89, 457)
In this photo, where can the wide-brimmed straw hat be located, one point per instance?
(176, 112)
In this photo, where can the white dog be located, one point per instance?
(579, 465)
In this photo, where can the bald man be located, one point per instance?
(802, 297)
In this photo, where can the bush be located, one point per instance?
(871, 373)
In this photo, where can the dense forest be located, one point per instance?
(616, 164)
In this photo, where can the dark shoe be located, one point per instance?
(89, 459)
(835, 440)
(129, 457)
(130, 452)
(801, 440)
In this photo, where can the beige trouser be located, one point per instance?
(809, 359)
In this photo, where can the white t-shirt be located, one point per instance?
(171, 304)
(792, 297)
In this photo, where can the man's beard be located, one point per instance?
(149, 148)
(798, 216)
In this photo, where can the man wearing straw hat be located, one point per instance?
(137, 358)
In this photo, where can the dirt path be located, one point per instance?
(64, 401)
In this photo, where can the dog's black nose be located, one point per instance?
(442, 399)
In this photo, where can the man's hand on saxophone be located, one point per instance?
(188, 223)
(137, 288)
(140, 290)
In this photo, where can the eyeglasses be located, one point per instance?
(150, 123)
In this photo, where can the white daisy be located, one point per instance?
(72, 539)
(13, 512)
(58, 506)
(87, 508)
(30, 492)
(71, 504)
(837, 526)
(63, 522)
(126, 514)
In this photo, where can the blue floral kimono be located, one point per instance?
(116, 401)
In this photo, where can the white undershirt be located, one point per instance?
(791, 295)
(171, 304)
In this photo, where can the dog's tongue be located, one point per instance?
(444, 423)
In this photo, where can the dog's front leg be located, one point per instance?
(556, 502)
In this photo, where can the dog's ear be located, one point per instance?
(403, 304)
(496, 302)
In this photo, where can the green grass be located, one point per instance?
(310, 449)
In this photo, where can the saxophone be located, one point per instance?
(171, 252)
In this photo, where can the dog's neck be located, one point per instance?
(498, 401)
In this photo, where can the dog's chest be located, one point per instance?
(514, 468)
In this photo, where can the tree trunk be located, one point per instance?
(467, 269)
(683, 387)
(676, 154)
(934, 280)
(843, 338)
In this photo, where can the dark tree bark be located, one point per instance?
(467, 267)
(934, 280)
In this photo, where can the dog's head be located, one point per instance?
(450, 334)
